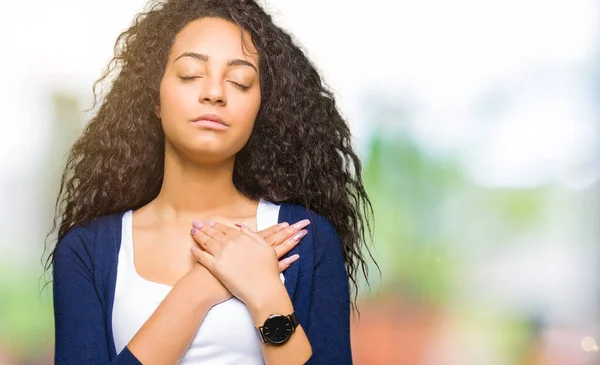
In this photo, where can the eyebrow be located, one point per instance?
(203, 57)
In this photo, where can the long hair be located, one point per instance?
(299, 152)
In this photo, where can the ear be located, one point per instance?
(157, 111)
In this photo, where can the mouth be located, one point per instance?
(210, 121)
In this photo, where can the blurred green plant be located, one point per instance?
(26, 326)
(410, 192)
(429, 217)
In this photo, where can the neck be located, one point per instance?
(192, 187)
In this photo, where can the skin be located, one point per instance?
(198, 186)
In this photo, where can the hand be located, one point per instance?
(282, 237)
(241, 259)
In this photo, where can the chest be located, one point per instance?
(162, 256)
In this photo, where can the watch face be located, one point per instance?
(277, 329)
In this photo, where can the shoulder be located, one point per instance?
(293, 212)
(322, 231)
(82, 240)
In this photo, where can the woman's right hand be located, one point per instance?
(282, 237)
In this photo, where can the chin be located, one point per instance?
(210, 153)
(207, 147)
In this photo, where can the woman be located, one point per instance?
(217, 119)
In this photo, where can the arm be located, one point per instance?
(297, 349)
(329, 315)
(79, 317)
(167, 334)
(242, 261)
(328, 328)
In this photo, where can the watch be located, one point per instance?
(277, 329)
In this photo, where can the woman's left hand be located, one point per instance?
(241, 259)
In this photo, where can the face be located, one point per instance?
(210, 92)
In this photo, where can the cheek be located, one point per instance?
(173, 101)
(246, 110)
(175, 107)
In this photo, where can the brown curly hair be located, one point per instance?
(299, 152)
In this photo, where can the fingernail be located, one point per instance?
(195, 231)
(192, 249)
(210, 223)
(196, 223)
(303, 223)
(299, 235)
(291, 259)
(284, 224)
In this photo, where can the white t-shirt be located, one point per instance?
(226, 335)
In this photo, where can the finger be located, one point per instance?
(285, 263)
(245, 229)
(272, 230)
(204, 258)
(279, 237)
(208, 229)
(222, 228)
(205, 241)
(286, 233)
(290, 243)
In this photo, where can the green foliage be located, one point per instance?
(26, 324)
(410, 193)
(429, 216)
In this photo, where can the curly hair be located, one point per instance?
(299, 152)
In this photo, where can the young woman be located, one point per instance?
(216, 152)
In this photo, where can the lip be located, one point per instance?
(210, 121)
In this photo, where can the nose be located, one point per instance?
(213, 92)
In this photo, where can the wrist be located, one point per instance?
(274, 299)
(190, 281)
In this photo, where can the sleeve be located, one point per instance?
(329, 325)
(80, 336)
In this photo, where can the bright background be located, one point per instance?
(478, 125)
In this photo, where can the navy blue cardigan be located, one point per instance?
(85, 272)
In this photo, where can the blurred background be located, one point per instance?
(478, 125)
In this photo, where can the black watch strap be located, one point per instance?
(294, 320)
(261, 335)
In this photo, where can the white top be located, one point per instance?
(226, 335)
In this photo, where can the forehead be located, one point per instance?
(215, 37)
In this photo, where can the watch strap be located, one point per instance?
(294, 320)
(261, 335)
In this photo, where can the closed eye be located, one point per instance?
(240, 86)
(189, 78)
